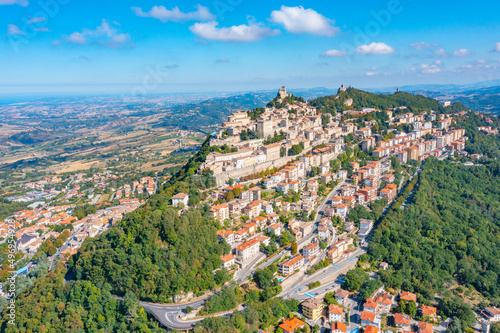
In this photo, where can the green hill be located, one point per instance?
(362, 99)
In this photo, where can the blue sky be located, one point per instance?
(145, 46)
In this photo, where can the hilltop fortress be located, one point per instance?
(269, 138)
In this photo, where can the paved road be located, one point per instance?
(168, 314)
(298, 289)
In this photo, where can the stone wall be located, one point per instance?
(222, 178)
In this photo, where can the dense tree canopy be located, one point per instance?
(451, 229)
(53, 306)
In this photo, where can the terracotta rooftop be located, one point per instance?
(338, 326)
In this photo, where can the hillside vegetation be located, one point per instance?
(363, 99)
(50, 305)
(452, 230)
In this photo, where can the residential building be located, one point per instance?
(247, 250)
(407, 296)
(291, 325)
(335, 313)
(220, 212)
(323, 232)
(370, 193)
(402, 321)
(312, 308)
(424, 327)
(289, 266)
(228, 260)
(226, 235)
(385, 302)
(250, 227)
(371, 329)
(338, 327)
(369, 318)
(370, 305)
(428, 311)
(180, 198)
(276, 228)
(341, 296)
(240, 234)
(311, 250)
(492, 313)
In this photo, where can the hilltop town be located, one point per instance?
(296, 191)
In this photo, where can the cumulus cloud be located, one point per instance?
(23, 3)
(304, 21)
(375, 48)
(334, 53)
(175, 15)
(236, 33)
(13, 29)
(462, 53)
(36, 20)
(497, 47)
(431, 68)
(441, 52)
(105, 35)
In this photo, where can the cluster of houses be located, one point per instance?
(147, 184)
(31, 237)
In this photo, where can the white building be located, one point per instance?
(180, 198)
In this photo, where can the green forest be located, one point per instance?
(450, 231)
(51, 305)
(363, 99)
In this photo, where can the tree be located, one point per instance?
(264, 278)
(294, 248)
(411, 309)
(295, 150)
(354, 279)
(401, 307)
(455, 326)
(330, 298)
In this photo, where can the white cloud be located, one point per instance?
(105, 35)
(304, 21)
(43, 29)
(462, 53)
(163, 14)
(431, 68)
(375, 48)
(236, 33)
(36, 20)
(334, 53)
(375, 73)
(13, 29)
(222, 60)
(442, 53)
(497, 47)
(23, 3)
(420, 46)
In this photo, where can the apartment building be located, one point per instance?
(313, 308)
(289, 266)
(311, 250)
(220, 212)
(247, 250)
